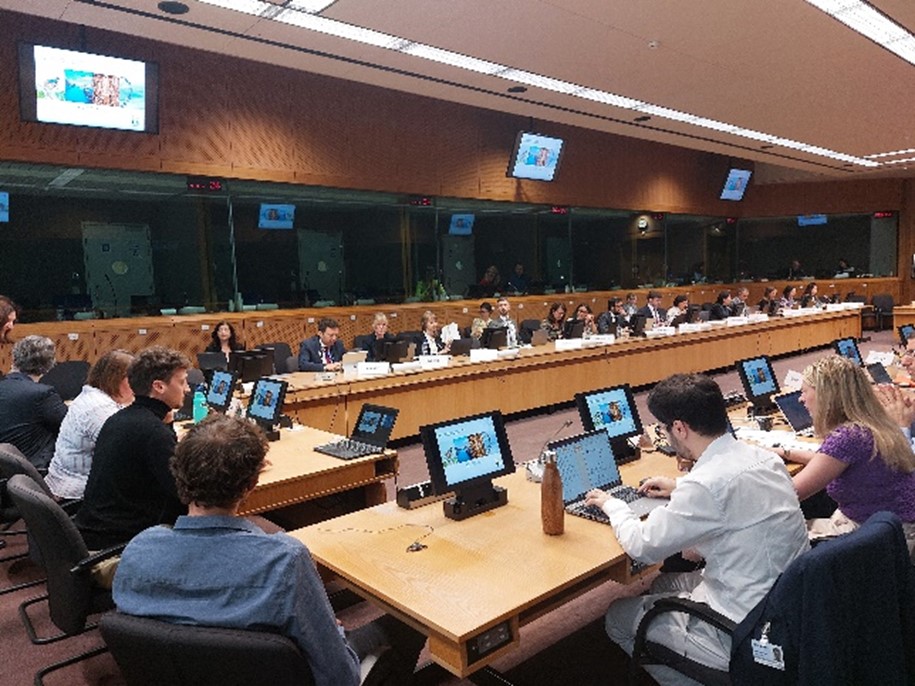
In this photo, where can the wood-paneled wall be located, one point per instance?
(88, 340)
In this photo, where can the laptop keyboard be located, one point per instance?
(625, 493)
(348, 448)
(591, 512)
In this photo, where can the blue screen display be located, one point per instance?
(220, 389)
(276, 216)
(4, 206)
(759, 377)
(848, 348)
(265, 397)
(611, 410)
(536, 157)
(469, 449)
(585, 462)
(371, 422)
(461, 225)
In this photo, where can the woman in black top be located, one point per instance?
(555, 321)
(768, 304)
(224, 340)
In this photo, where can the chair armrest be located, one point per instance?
(88, 563)
(71, 507)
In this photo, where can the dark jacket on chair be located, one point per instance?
(30, 417)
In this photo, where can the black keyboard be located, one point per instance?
(591, 512)
(348, 449)
(625, 493)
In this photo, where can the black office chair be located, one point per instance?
(843, 613)
(528, 327)
(362, 340)
(155, 653)
(72, 597)
(883, 310)
(281, 353)
(67, 378)
(292, 364)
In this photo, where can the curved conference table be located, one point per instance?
(542, 376)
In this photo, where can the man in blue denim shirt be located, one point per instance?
(215, 568)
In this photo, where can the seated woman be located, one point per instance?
(491, 283)
(722, 308)
(789, 294)
(431, 342)
(555, 321)
(379, 335)
(224, 340)
(809, 298)
(7, 318)
(769, 303)
(584, 313)
(865, 462)
(481, 322)
(106, 391)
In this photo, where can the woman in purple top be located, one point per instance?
(865, 462)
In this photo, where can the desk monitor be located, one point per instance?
(573, 328)
(847, 347)
(250, 365)
(465, 455)
(906, 331)
(796, 413)
(207, 362)
(494, 337)
(461, 346)
(614, 410)
(221, 387)
(392, 351)
(637, 324)
(266, 404)
(759, 382)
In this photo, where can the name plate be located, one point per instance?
(758, 317)
(483, 355)
(405, 367)
(569, 343)
(737, 321)
(373, 368)
(689, 328)
(660, 332)
(427, 362)
(601, 339)
(325, 376)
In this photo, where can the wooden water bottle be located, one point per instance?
(552, 512)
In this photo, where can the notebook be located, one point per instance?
(795, 413)
(370, 434)
(585, 462)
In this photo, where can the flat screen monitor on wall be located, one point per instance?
(275, 216)
(461, 225)
(736, 184)
(535, 157)
(4, 206)
(58, 86)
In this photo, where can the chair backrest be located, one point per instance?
(281, 353)
(834, 610)
(12, 462)
(362, 340)
(70, 595)
(67, 378)
(292, 364)
(855, 298)
(152, 652)
(528, 327)
(883, 302)
(411, 336)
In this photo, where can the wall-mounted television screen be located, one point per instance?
(4, 206)
(461, 225)
(812, 219)
(736, 184)
(535, 157)
(58, 86)
(275, 216)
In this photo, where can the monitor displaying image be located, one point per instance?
(4, 206)
(466, 450)
(906, 331)
(736, 184)
(219, 395)
(266, 402)
(535, 157)
(461, 225)
(758, 378)
(275, 216)
(847, 347)
(59, 86)
(612, 409)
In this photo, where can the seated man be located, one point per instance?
(31, 412)
(503, 320)
(130, 486)
(736, 508)
(653, 311)
(322, 352)
(215, 568)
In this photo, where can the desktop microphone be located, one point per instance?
(534, 468)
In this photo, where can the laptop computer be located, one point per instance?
(461, 346)
(795, 413)
(586, 461)
(210, 361)
(539, 337)
(370, 435)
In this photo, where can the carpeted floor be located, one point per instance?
(565, 646)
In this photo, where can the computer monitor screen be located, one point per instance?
(494, 337)
(266, 402)
(758, 379)
(374, 424)
(391, 351)
(585, 462)
(573, 328)
(208, 361)
(4, 206)
(736, 184)
(466, 451)
(275, 216)
(220, 393)
(812, 219)
(535, 157)
(461, 225)
(58, 86)
(612, 409)
(251, 365)
(906, 331)
(796, 413)
(847, 347)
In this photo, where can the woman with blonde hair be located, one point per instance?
(865, 462)
(106, 391)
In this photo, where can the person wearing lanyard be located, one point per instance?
(322, 352)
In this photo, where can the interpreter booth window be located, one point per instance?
(819, 246)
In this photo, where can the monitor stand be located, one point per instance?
(624, 451)
(270, 432)
(761, 407)
(474, 499)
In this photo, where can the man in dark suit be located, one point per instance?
(653, 311)
(31, 412)
(722, 307)
(322, 352)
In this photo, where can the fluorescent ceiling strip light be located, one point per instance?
(892, 154)
(65, 177)
(862, 18)
(902, 161)
(301, 13)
